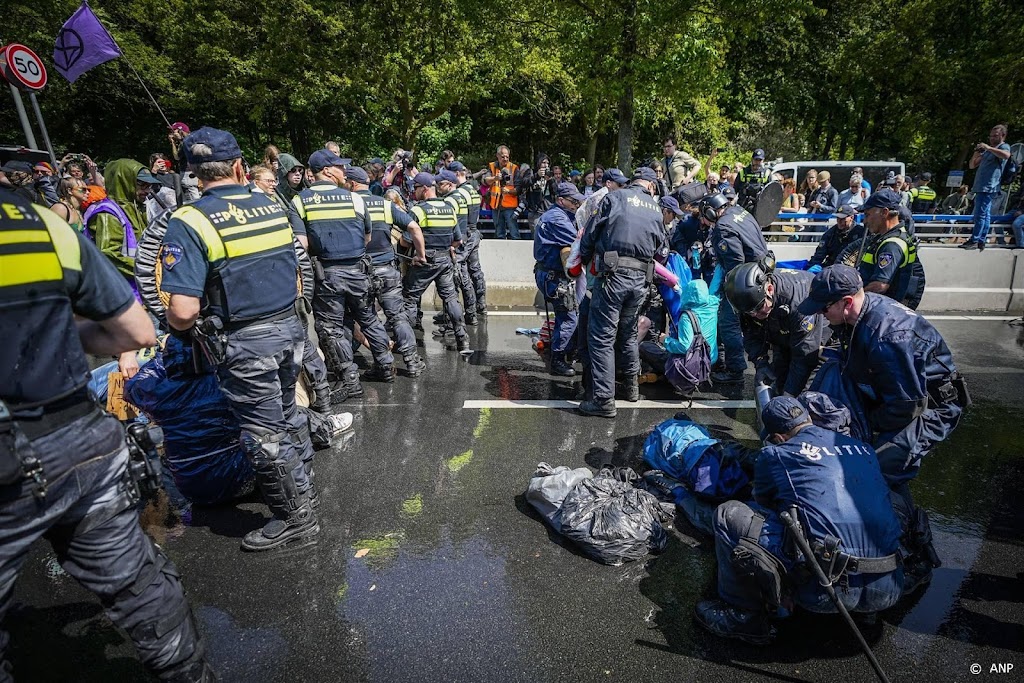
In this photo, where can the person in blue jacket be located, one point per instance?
(833, 486)
(703, 300)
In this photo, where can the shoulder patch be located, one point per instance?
(807, 324)
(170, 255)
(723, 246)
(885, 259)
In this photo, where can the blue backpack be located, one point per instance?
(708, 467)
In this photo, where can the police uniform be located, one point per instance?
(386, 218)
(439, 221)
(623, 238)
(468, 254)
(892, 258)
(793, 340)
(469, 303)
(62, 460)
(338, 223)
(832, 244)
(736, 239)
(833, 485)
(233, 250)
(922, 199)
(556, 230)
(755, 179)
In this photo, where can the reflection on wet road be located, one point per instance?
(431, 566)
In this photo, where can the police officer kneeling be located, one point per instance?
(832, 485)
(890, 264)
(63, 462)
(229, 256)
(772, 326)
(623, 237)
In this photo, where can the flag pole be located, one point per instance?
(143, 84)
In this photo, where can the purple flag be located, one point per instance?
(82, 44)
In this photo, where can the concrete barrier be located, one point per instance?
(957, 281)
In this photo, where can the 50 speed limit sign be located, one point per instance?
(23, 68)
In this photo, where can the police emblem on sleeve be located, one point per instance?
(885, 260)
(807, 324)
(810, 451)
(171, 255)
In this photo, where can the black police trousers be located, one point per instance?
(95, 532)
(440, 270)
(611, 329)
(344, 292)
(387, 289)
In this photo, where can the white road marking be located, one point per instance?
(645, 404)
(976, 318)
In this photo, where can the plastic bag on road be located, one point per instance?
(549, 487)
(611, 521)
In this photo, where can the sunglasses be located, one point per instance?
(824, 310)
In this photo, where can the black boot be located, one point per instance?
(598, 407)
(196, 672)
(414, 365)
(629, 389)
(462, 343)
(727, 377)
(727, 621)
(559, 366)
(380, 373)
(294, 517)
(471, 319)
(353, 388)
(439, 318)
(321, 399)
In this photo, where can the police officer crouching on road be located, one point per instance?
(229, 258)
(439, 221)
(773, 325)
(64, 465)
(339, 228)
(552, 241)
(386, 280)
(736, 238)
(831, 484)
(836, 239)
(900, 371)
(890, 263)
(624, 237)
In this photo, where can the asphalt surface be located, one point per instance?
(431, 566)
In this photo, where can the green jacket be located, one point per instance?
(106, 229)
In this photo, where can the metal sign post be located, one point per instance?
(42, 128)
(24, 70)
(23, 116)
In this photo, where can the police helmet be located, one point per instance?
(710, 205)
(746, 287)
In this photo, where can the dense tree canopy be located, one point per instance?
(578, 79)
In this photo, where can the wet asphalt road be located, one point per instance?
(431, 567)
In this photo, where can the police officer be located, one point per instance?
(229, 257)
(439, 221)
(62, 460)
(690, 237)
(889, 264)
(900, 373)
(922, 197)
(893, 181)
(623, 239)
(837, 238)
(552, 241)
(468, 254)
(751, 180)
(448, 189)
(386, 279)
(339, 228)
(773, 326)
(832, 485)
(736, 239)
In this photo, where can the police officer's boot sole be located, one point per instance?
(598, 408)
(725, 621)
(280, 532)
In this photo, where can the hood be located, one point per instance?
(695, 294)
(287, 162)
(119, 176)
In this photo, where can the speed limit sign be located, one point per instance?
(23, 68)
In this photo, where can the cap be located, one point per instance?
(222, 144)
(926, 177)
(691, 193)
(570, 191)
(423, 179)
(782, 415)
(345, 162)
(357, 175)
(376, 160)
(322, 158)
(759, 153)
(445, 176)
(882, 199)
(616, 176)
(183, 127)
(15, 166)
(824, 175)
(644, 173)
(670, 204)
(829, 286)
(846, 211)
(729, 191)
(890, 178)
(145, 176)
(457, 167)
(574, 173)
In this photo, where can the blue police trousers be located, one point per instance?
(731, 336)
(472, 267)
(440, 270)
(107, 553)
(563, 335)
(614, 311)
(387, 285)
(344, 294)
(465, 283)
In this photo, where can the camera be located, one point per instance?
(404, 160)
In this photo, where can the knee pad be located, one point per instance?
(261, 445)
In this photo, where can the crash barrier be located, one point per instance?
(930, 228)
(988, 281)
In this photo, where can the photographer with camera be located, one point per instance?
(538, 189)
(504, 196)
(399, 172)
(990, 160)
(76, 166)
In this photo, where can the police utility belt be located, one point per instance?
(951, 390)
(611, 261)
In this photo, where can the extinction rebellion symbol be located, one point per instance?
(69, 47)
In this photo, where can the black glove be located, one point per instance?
(764, 374)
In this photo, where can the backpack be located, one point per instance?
(706, 466)
(689, 371)
(1010, 170)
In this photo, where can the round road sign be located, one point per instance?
(23, 67)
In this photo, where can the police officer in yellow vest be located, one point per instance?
(922, 197)
(63, 462)
(439, 221)
(389, 221)
(468, 254)
(751, 180)
(229, 258)
(889, 264)
(339, 228)
(448, 189)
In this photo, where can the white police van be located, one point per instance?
(874, 171)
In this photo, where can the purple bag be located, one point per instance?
(689, 371)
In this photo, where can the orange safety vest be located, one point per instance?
(506, 194)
